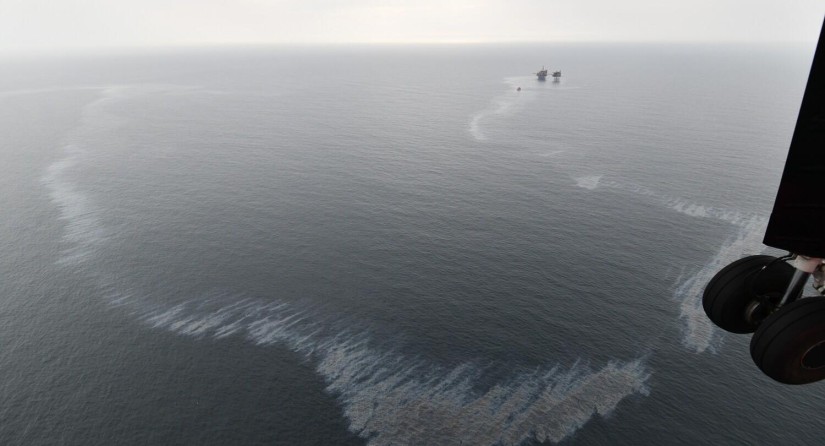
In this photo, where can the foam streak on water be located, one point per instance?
(677, 204)
(699, 333)
(389, 398)
(392, 399)
(83, 231)
(504, 104)
(590, 182)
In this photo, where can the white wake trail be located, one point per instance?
(677, 204)
(392, 399)
(83, 231)
(699, 333)
(502, 105)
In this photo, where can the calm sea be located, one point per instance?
(388, 245)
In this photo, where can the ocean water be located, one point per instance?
(389, 245)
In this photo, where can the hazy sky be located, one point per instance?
(57, 24)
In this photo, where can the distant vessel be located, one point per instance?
(556, 74)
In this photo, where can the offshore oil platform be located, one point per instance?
(542, 74)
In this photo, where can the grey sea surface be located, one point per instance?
(389, 245)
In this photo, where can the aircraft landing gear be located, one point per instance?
(763, 294)
(745, 292)
(789, 345)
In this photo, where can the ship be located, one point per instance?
(556, 75)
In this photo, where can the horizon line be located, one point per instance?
(130, 48)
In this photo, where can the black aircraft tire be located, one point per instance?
(789, 345)
(730, 292)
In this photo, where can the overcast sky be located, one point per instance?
(57, 24)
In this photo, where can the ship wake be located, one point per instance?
(502, 105)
